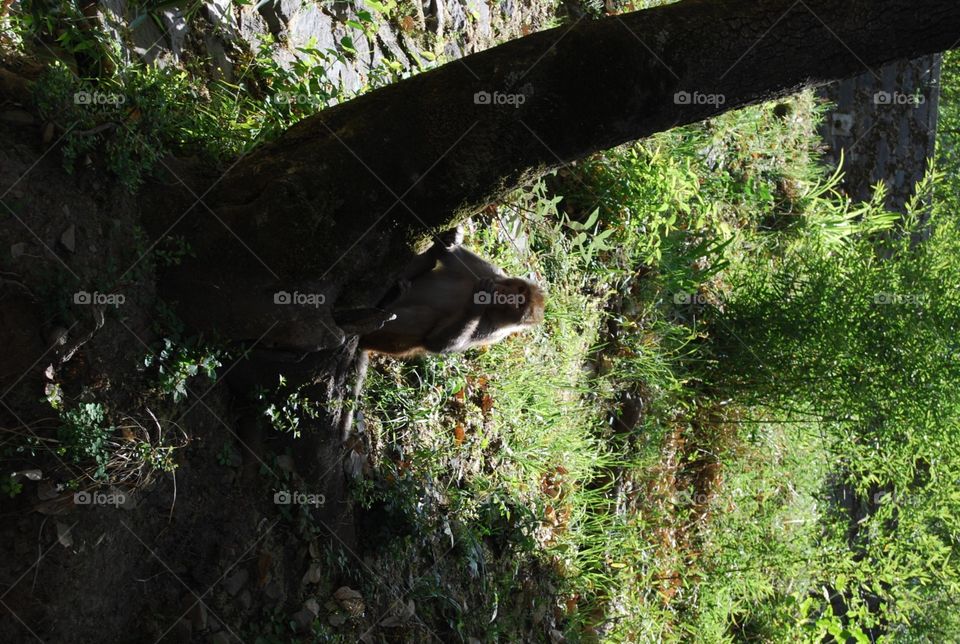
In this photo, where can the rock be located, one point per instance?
(456, 16)
(412, 50)
(176, 25)
(361, 45)
(452, 50)
(233, 457)
(303, 618)
(127, 499)
(181, 631)
(350, 600)
(336, 620)
(48, 131)
(287, 9)
(47, 490)
(436, 16)
(18, 250)
(354, 464)
(285, 463)
(253, 26)
(17, 117)
(360, 423)
(392, 49)
(273, 590)
(246, 600)
(313, 575)
(401, 613)
(221, 64)
(481, 14)
(341, 10)
(198, 616)
(63, 535)
(275, 27)
(221, 638)
(235, 582)
(112, 17)
(220, 15)
(310, 22)
(68, 239)
(347, 76)
(57, 338)
(147, 41)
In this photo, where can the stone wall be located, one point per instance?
(885, 125)
(216, 32)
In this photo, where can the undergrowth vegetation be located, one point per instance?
(130, 115)
(738, 422)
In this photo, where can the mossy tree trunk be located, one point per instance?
(335, 205)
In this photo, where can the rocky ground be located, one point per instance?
(208, 552)
(204, 553)
(216, 33)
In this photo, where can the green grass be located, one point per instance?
(712, 274)
(590, 496)
(716, 517)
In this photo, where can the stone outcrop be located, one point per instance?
(217, 32)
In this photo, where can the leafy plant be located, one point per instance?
(176, 364)
(10, 487)
(285, 414)
(83, 435)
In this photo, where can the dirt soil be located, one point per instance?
(202, 554)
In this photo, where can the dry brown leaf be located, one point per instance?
(263, 568)
(350, 600)
(486, 404)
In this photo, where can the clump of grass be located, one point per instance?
(96, 451)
